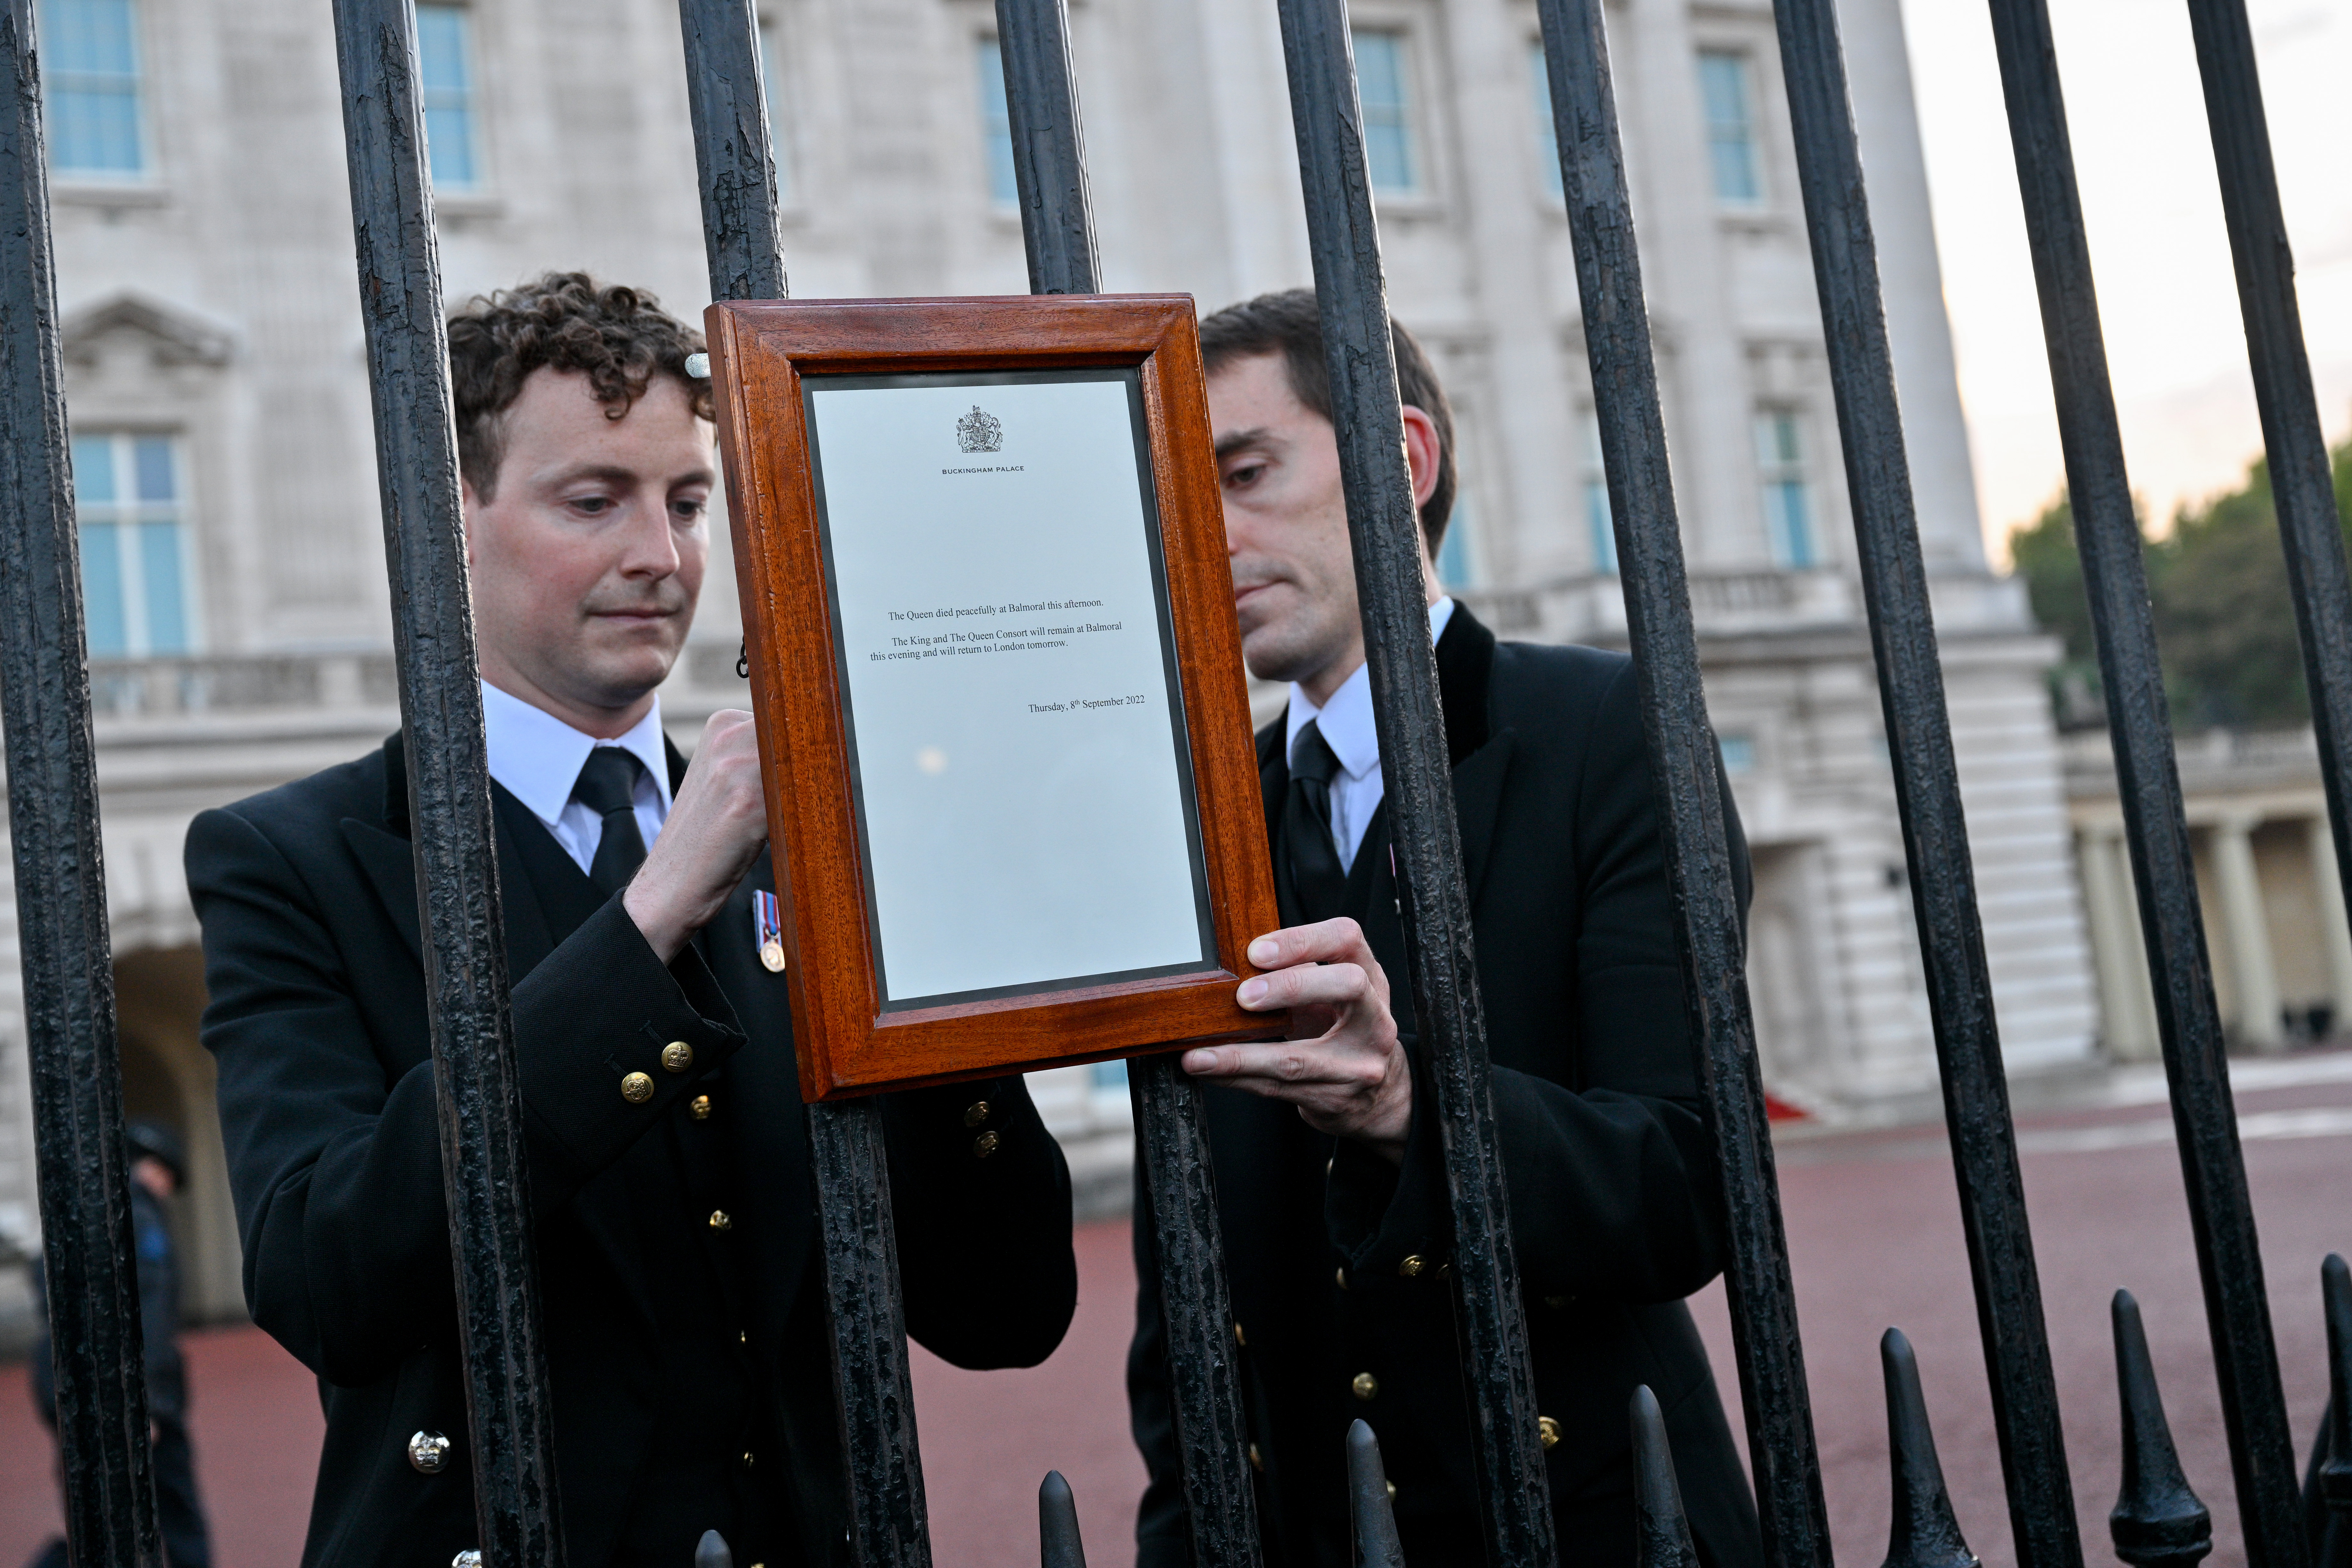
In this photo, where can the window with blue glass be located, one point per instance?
(1593, 488)
(1781, 466)
(1384, 87)
(1547, 129)
(445, 57)
(89, 56)
(995, 125)
(130, 499)
(1727, 92)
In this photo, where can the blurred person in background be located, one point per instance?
(158, 1167)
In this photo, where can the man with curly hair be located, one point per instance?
(675, 1220)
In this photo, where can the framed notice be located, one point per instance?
(1011, 792)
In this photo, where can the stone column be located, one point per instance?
(2246, 935)
(2335, 934)
(2125, 999)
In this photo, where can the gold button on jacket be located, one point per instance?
(1412, 1267)
(678, 1056)
(1548, 1432)
(984, 1145)
(976, 1113)
(721, 1220)
(1366, 1385)
(637, 1088)
(700, 1106)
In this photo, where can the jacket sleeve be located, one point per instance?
(981, 1196)
(335, 1158)
(1614, 1186)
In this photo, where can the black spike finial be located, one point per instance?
(1925, 1534)
(2334, 1467)
(1662, 1537)
(1367, 1502)
(1058, 1545)
(711, 1552)
(2157, 1520)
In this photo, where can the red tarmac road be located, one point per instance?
(1874, 1233)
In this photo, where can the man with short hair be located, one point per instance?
(1330, 1178)
(680, 1276)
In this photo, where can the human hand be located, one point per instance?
(1352, 1080)
(715, 828)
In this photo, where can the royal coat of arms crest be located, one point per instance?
(978, 431)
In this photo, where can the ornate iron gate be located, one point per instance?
(44, 703)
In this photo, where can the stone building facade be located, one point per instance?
(2267, 882)
(219, 404)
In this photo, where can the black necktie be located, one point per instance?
(1316, 877)
(608, 786)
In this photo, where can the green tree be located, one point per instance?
(2224, 618)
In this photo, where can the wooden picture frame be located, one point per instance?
(812, 541)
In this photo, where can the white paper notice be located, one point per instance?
(1024, 813)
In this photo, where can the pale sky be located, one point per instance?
(2168, 297)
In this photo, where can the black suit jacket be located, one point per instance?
(1616, 1203)
(317, 1020)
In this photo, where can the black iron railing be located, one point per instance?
(44, 699)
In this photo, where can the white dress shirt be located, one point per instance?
(1346, 725)
(538, 757)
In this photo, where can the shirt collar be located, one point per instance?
(1346, 721)
(538, 756)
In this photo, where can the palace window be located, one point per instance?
(444, 52)
(996, 125)
(1780, 468)
(130, 499)
(1383, 86)
(1546, 128)
(1592, 485)
(1727, 92)
(97, 122)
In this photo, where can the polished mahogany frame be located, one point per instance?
(847, 1043)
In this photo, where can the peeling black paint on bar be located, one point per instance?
(1928, 792)
(1384, 532)
(1171, 1146)
(62, 940)
(1203, 1372)
(1780, 1444)
(2245, 1357)
(477, 1090)
(2302, 485)
(743, 245)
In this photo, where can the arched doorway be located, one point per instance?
(167, 1077)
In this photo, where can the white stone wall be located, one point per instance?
(215, 299)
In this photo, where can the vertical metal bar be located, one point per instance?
(1171, 1146)
(53, 823)
(1385, 534)
(1927, 791)
(744, 244)
(2302, 486)
(1049, 152)
(476, 1088)
(1690, 803)
(2220, 1214)
(889, 1517)
(1203, 1381)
